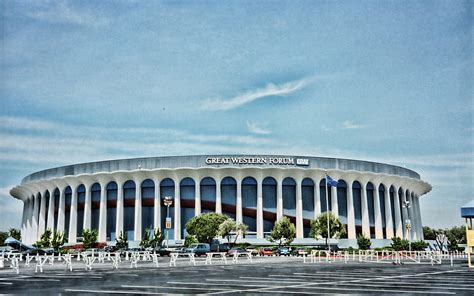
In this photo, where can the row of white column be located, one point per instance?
(35, 211)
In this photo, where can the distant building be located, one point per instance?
(127, 195)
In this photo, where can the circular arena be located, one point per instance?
(127, 196)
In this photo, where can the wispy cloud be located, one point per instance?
(347, 124)
(61, 12)
(253, 95)
(260, 128)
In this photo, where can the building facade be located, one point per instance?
(127, 196)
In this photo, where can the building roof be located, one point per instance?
(467, 211)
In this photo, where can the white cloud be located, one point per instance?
(350, 125)
(250, 96)
(61, 12)
(260, 128)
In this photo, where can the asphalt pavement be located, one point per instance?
(270, 275)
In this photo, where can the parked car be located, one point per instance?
(283, 251)
(299, 252)
(233, 251)
(198, 249)
(266, 252)
(162, 251)
(220, 248)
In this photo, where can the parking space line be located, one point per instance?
(113, 292)
(336, 282)
(414, 286)
(172, 287)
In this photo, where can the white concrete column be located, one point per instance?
(299, 208)
(177, 211)
(103, 213)
(50, 224)
(259, 208)
(29, 220)
(34, 227)
(197, 197)
(238, 209)
(351, 230)
(157, 205)
(23, 220)
(420, 224)
(412, 217)
(398, 214)
(365, 210)
(119, 209)
(334, 203)
(62, 209)
(404, 214)
(377, 213)
(388, 213)
(279, 198)
(87, 207)
(72, 233)
(317, 199)
(138, 211)
(42, 215)
(218, 196)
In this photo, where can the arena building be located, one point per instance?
(127, 195)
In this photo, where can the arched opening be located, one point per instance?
(56, 195)
(46, 211)
(307, 192)
(269, 193)
(148, 202)
(229, 196)
(81, 199)
(208, 195)
(392, 207)
(249, 204)
(67, 210)
(111, 194)
(95, 206)
(322, 193)
(167, 189)
(342, 203)
(129, 191)
(357, 201)
(289, 198)
(187, 191)
(370, 206)
(382, 209)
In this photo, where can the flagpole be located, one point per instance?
(327, 212)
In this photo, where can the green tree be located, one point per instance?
(319, 227)
(45, 239)
(158, 237)
(399, 244)
(363, 242)
(189, 240)
(419, 245)
(57, 240)
(205, 227)
(230, 228)
(146, 240)
(430, 233)
(15, 233)
(89, 238)
(121, 242)
(3, 237)
(284, 232)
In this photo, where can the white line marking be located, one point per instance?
(172, 288)
(335, 282)
(5, 283)
(114, 292)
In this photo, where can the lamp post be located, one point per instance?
(168, 202)
(406, 205)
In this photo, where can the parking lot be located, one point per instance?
(269, 275)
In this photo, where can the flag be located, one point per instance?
(330, 181)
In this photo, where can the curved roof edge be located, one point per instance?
(233, 161)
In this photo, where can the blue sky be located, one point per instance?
(387, 81)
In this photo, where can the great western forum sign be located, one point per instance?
(248, 160)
